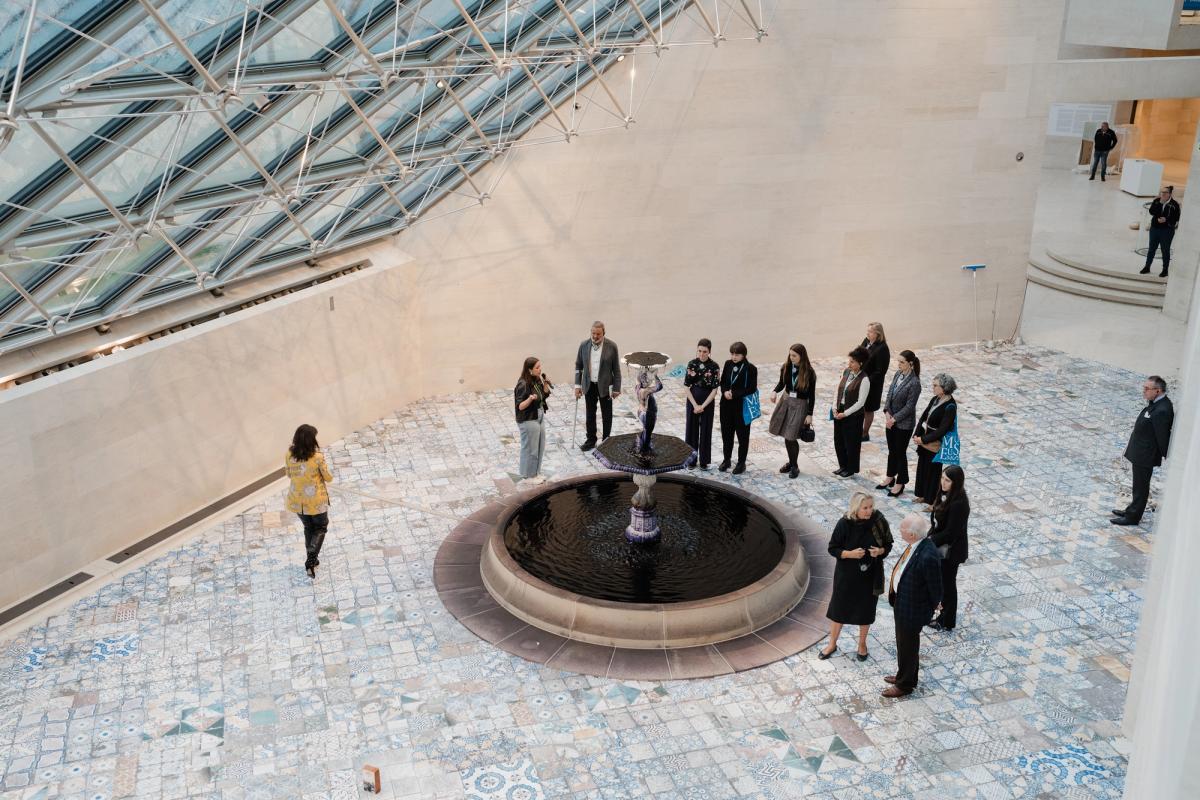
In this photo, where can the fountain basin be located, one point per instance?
(771, 592)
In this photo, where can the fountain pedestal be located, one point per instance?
(643, 514)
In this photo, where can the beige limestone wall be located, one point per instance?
(841, 171)
(1168, 128)
(107, 453)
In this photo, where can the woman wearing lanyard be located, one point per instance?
(793, 412)
(852, 393)
(702, 383)
(529, 396)
(900, 417)
(739, 379)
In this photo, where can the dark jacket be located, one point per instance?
(1105, 140)
(530, 412)
(808, 393)
(901, 400)
(950, 527)
(610, 367)
(1169, 211)
(877, 364)
(937, 423)
(1151, 434)
(920, 588)
(746, 383)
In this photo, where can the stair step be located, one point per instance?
(1102, 265)
(1036, 274)
(1123, 283)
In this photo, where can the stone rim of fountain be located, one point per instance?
(530, 618)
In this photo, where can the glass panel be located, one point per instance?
(111, 264)
(27, 156)
(303, 39)
(25, 270)
(198, 24)
(12, 24)
(294, 126)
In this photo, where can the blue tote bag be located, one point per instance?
(950, 445)
(751, 407)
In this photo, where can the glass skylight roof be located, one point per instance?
(159, 148)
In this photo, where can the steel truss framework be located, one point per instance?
(158, 148)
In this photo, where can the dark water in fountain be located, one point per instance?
(712, 542)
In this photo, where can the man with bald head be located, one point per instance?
(598, 379)
(915, 592)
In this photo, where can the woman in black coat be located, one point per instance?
(739, 379)
(876, 367)
(937, 420)
(861, 541)
(949, 533)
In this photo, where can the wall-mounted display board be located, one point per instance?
(1068, 119)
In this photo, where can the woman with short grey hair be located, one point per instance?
(937, 420)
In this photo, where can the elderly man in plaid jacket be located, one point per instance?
(915, 592)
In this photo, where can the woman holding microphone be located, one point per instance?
(529, 396)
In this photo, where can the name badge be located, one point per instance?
(1147, 415)
(792, 394)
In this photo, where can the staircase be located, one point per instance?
(1100, 277)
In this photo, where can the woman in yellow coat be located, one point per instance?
(307, 495)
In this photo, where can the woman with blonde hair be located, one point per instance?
(307, 495)
(860, 542)
(875, 343)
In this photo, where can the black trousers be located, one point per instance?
(733, 423)
(1160, 237)
(908, 657)
(698, 432)
(590, 398)
(898, 440)
(847, 440)
(929, 476)
(1141, 492)
(315, 526)
(949, 615)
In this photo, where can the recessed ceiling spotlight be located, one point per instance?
(621, 58)
(440, 84)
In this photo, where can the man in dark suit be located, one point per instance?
(598, 378)
(1147, 447)
(915, 592)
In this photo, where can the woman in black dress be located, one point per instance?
(739, 380)
(793, 410)
(861, 541)
(949, 532)
(937, 420)
(879, 354)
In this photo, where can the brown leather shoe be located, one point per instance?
(889, 679)
(896, 691)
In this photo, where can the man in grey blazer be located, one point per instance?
(598, 378)
(1147, 447)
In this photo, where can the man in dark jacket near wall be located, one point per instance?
(1164, 219)
(1103, 144)
(1147, 447)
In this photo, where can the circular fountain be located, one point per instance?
(638, 572)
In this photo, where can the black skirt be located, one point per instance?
(853, 601)
(875, 395)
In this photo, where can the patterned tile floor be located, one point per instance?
(220, 671)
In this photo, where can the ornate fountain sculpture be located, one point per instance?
(645, 455)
